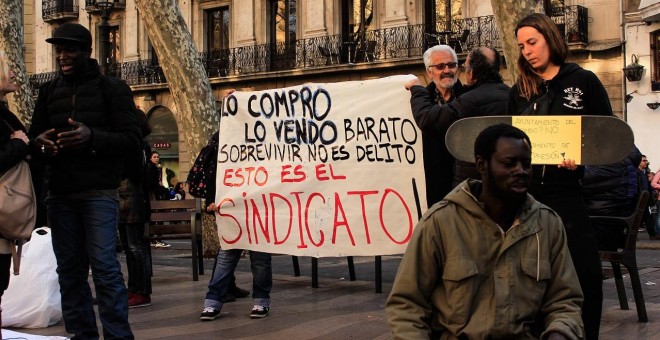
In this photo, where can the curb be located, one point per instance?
(652, 245)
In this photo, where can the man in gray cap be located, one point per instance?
(83, 124)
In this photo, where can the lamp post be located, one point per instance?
(105, 7)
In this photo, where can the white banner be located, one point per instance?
(320, 169)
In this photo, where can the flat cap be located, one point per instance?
(69, 33)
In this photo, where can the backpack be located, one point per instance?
(204, 168)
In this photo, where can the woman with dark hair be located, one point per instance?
(548, 85)
(13, 149)
(156, 189)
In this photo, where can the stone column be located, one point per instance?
(245, 23)
(395, 14)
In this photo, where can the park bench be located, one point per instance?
(628, 256)
(179, 220)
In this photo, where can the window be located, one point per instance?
(283, 21)
(282, 34)
(217, 31)
(655, 61)
(443, 15)
(114, 53)
(357, 18)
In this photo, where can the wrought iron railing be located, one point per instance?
(396, 43)
(91, 7)
(36, 80)
(59, 9)
(573, 22)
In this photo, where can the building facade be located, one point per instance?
(263, 44)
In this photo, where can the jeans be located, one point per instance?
(138, 262)
(84, 231)
(262, 277)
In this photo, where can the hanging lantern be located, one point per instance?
(634, 70)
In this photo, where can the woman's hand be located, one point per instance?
(19, 134)
(569, 164)
(210, 207)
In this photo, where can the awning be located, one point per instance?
(650, 10)
(602, 45)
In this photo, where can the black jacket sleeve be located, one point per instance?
(12, 151)
(597, 99)
(124, 134)
(429, 116)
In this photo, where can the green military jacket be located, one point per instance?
(462, 276)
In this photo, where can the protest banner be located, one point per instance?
(320, 170)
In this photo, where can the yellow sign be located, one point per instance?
(554, 138)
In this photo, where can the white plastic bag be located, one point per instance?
(32, 299)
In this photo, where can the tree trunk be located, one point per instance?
(187, 81)
(507, 15)
(11, 43)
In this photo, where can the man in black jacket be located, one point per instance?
(485, 95)
(82, 126)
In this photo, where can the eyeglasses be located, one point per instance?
(441, 66)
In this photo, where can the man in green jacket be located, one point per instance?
(489, 261)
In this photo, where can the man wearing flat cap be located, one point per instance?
(83, 124)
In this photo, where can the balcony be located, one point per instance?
(573, 23)
(90, 6)
(59, 10)
(369, 48)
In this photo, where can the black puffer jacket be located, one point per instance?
(486, 99)
(106, 107)
(610, 190)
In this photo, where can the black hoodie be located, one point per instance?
(577, 92)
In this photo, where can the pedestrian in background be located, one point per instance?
(134, 211)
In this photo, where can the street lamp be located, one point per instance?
(105, 7)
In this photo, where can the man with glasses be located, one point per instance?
(444, 101)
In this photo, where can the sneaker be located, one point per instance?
(238, 292)
(209, 313)
(259, 312)
(138, 300)
(162, 244)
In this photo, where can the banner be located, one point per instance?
(320, 169)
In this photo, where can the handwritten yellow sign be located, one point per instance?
(554, 138)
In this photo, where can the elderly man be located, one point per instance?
(441, 65)
(489, 261)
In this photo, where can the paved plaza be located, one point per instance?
(337, 309)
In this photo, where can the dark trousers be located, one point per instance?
(138, 262)
(582, 244)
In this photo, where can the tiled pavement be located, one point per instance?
(338, 309)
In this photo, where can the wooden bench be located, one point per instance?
(628, 256)
(179, 220)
